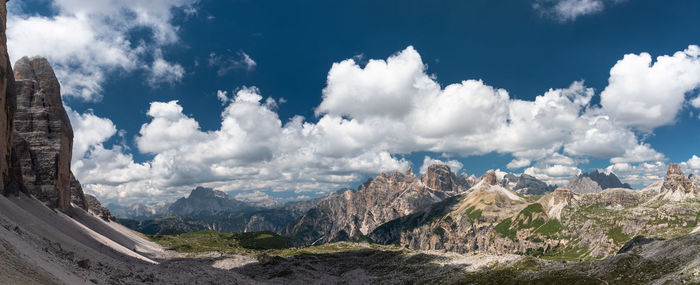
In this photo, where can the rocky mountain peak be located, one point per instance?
(202, 192)
(675, 180)
(439, 176)
(490, 177)
(526, 184)
(594, 182)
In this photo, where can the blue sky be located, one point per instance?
(116, 58)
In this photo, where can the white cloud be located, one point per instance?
(518, 163)
(222, 96)
(368, 116)
(648, 95)
(89, 131)
(639, 174)
(454, 165)
(84, 41)
(553, 174)
(696, 102)
(569, 10)
(165, 72)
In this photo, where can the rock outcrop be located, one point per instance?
(439, 176)
(594, 182)
(43, 135)
(94, 206)
(490, 178)
(354, 214)
(678, 187)
(526, 184)
(7, 106)
(555, 202)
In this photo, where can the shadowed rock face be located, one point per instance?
(43, 135)
(594, 182)
(526, 184)
(7, 105)
(438, 176)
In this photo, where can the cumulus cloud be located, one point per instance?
(368, 116)
(89, 131)
(645, 94)
(639, 174)
(86, 41)
(454, 165)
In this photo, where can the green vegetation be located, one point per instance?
(531, 217)
(550, 227)
(206, 241)
(254, 244)
(618, 236)
(503, 228)
(561, 252)
(532, 209)
(439, 231)
(473, 214)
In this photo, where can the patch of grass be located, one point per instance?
(473, 214)
(618, 236)
(561, 252)
(550, 227)
(503, 228)
(207, 241)
(532, 209)
(531, 217)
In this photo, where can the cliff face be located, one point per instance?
(42, 133)
(7, 106)
(353, 214)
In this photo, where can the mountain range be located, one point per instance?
(396, 228)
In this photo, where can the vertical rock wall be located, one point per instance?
(7, 104)
(43, 136)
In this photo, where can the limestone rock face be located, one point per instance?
(77, 196)
(350, 215)
(7, 105)
(43, 135)
(96, 208)
(490, 178)
(675, 180)
(440, 176)
(677, 187)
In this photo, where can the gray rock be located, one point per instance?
(352, 215)
(636, 242)
(77, 195)
(7, 106)
(594, 182)
(526, 184)
(675, 180)
(43, 136)
(94, 206)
